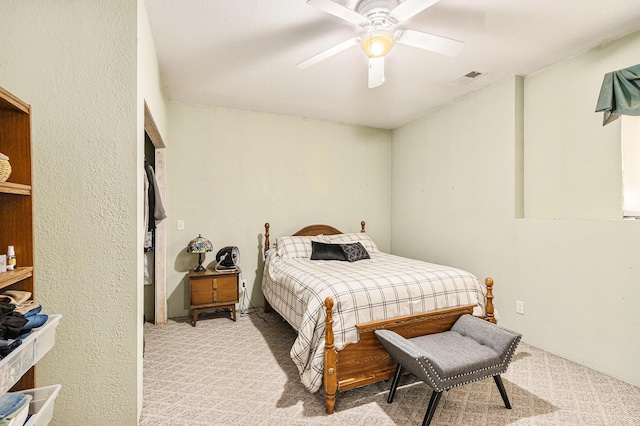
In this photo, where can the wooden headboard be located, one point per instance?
(310, 230)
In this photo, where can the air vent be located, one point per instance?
(468, 77)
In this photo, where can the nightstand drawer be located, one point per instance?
(202, 297)
(226, 295)
(225, 283)
(225, 289)
(202, 284)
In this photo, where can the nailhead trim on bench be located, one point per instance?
(431, 372)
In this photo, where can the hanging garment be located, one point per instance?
(156, 211)
(153, 213)
(148, 240)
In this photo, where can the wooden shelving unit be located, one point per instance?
(16, 201)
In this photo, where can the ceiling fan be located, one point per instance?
(377, 17)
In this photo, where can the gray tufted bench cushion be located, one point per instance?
(472, 350)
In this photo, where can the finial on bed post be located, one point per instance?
(362, 226)
(330, 360)
(266, 237)
(489, 308)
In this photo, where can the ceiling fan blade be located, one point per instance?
(329, 52)
(409, 8)
(339, 10)
(434, 43)
(376, 72)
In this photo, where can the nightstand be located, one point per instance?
(213, 289)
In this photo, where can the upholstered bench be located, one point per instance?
(472, 350)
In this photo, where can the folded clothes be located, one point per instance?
(17, 297)
(35, 321)
(34, 310)
(14, 407)
(20, 300)
(6, 346)
(6, 308)
(11, 325)
(27, 306)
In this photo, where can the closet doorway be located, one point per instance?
(155, 294)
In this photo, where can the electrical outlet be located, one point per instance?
(519, 307)
(180, 225)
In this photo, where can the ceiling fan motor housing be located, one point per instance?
(377, 11)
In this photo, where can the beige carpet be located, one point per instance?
(239, 373)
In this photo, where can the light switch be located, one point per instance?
(180, 225)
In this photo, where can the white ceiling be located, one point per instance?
(242, 54)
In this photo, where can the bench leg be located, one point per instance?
(503, 392)
(433, 403)
(394, 383)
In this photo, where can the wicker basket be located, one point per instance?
(5, 168)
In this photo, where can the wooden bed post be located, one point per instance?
(489, 308)
(330, 360)
(362, 226)
(267, 306)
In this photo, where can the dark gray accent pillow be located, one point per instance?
(354, 251)
(326, 251)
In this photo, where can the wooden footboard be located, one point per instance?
(365, 362)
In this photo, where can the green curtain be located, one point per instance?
(620, 94)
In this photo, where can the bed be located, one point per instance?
(337, 348)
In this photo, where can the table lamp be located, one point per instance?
(199, 245)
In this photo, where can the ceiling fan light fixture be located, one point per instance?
(377, 43)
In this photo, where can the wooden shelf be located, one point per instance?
(12, 277)
(15, 188)
(16, 202)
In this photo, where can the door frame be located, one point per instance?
(160, 246)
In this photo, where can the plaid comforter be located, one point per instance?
(384, 286)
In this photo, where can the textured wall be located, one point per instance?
(453, 202)
(234, 170)
(75, 63)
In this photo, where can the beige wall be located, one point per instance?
(454, 200)
(150, 81)
(75, 63)
(572, 163)
(232, 171)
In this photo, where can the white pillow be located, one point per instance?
(361, 237)
(290, 247)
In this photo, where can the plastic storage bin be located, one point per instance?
(46, 337)
(41, 405)
(32, 349)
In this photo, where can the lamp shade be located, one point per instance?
(199, 245)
